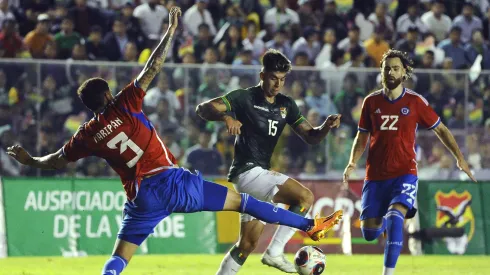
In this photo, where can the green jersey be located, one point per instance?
(262, 124)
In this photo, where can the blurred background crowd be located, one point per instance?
(335, 47)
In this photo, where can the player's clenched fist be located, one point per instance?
(333, 121)
(174, 14)
(19, 153)
(233, 126)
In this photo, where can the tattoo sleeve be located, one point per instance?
(156, 60)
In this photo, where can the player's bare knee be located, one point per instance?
(306, 198)
(372, 223)
(233, 201)
(400, 207)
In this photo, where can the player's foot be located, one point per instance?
(324, 224)
(280, 262)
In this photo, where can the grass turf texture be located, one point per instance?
(208, 264)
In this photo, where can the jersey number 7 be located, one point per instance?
(125, 143)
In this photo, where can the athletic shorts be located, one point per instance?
(259, 183)
(175, 190)
(378, 195)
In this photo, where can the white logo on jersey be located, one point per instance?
(405, 111)
(261, 108)
(378, 111)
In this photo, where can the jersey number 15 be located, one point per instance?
(389, 123)
(272, 127)
(125, 143)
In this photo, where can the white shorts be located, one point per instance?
(259, 183)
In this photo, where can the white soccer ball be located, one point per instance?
(310, 260)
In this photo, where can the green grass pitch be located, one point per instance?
(207, 264)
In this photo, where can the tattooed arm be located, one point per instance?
(157, 58)
(215, 110)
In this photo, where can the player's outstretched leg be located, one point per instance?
(220, 198)
(394, 243)
(224, 199)
(122, 254)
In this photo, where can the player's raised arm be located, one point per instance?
(314, 135)
(157, 58)
(447, 138)
(49, 162)
(215, 110)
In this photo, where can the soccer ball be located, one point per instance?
(309, 260)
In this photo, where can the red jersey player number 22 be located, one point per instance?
(393, 125)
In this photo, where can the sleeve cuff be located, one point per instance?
(227, 103)
(362, 130)
(435, 124)
(136, 84)
(298, 121)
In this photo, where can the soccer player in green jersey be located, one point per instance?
(261, 114)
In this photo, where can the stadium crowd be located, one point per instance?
(335, 47)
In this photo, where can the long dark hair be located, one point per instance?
(406, 61)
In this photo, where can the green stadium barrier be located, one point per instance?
(76, 217)
(454, 204)
(485, 199)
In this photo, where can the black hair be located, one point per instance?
(96, 28)
(92, 93)
(275, 61)
(203, 26)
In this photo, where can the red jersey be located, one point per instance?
(393, 125)
(125, 138)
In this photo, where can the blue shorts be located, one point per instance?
(172, 191)
(378, 195)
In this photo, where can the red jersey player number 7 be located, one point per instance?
(391, 117)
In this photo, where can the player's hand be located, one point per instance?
(233, 126)
(174, 15)
(463, 166)
(333, 121)
(348, 170)
(19, 154)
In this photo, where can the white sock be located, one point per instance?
(281, 237)
(388, 271)
(228, 266)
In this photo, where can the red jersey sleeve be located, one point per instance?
(365, 120)
(76, 148)
(427, 117)
(131, 97)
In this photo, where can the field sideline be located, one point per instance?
(207, 264)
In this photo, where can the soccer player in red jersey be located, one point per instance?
(155, 186)
(390, 118)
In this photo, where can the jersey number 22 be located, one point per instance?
(125, 143)
(389, 123)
